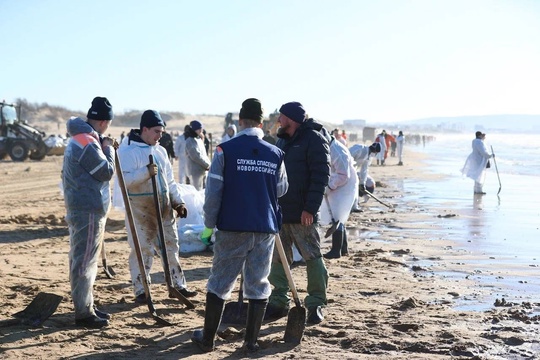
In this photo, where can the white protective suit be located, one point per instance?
(360, 154)
(180, 151)
(228, 137)
(342, 185)
(197, 161)
(475, 165)
(399, 147)
(134, 159)
(381, 140)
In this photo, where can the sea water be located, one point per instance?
(502, 226)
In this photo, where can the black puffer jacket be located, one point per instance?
(307, 160)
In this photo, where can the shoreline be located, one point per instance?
(461, 254)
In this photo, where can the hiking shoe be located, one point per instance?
(274, 312)
(332, 255)
(315, 315)
(102, 314)
(92, 322)
(141, 298)
(187, 293)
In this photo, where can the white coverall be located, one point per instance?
(380, 155)
(399, 146)
(361, 156)
(180, 151)
(134, 158)
(197, 161)
(475, 165)
(342, 185)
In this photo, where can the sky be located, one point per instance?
(381, 61)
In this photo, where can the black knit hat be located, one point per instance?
(252, 110)
(195, 125)
(151, 118)
(101, 109)
(294, 111)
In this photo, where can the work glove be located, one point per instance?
(107, 141)
(152, 169)
(181, 211)
(361, 190)
(206, 235)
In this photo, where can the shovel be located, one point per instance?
(211, 151)
(173, 292)
(136, 245)
(296, 320)
(376, 198)
(497, 170)
(39, 310)
(109, 271)
(335, 224)
(236, 312)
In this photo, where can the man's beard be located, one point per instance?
(282, 133)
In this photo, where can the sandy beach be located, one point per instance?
(400, 294)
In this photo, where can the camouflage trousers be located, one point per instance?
(308, 242)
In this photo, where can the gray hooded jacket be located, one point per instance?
(87, 169)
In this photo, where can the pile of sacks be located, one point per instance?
(190, 228)
(56, 144)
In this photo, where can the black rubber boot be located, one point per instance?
(204, 338)
(255, 315)
(337, 243)
(345, 245)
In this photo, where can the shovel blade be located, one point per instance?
(296, 324)
(161, 321)
(109, 271)
(39, 310)
(235, 313)
(332, 229)
(174, 293)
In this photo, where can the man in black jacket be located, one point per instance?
(307, 160)
(167, 142)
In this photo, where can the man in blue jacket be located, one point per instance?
(307, 160)
(246, 178)
(88, 167)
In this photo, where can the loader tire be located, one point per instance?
(18, 151)
(40, 153)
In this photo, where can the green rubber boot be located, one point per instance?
(278, 303)
(317, 283)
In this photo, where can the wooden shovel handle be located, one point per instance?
(287, 269)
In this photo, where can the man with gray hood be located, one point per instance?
(88, 167)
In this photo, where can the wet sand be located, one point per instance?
(494, 234)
